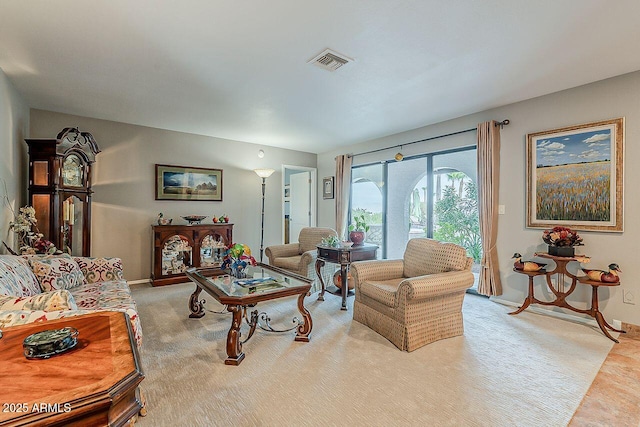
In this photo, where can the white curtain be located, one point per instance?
(488, 186)
(343, 189)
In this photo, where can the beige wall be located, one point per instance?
(611, 98)
(123, 203)
(14, 124)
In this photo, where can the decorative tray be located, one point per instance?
(43, 345)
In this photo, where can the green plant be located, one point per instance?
(360, 223)
(457, 219)
(330, 241)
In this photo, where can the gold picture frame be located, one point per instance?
(575, 177)
(188, 183)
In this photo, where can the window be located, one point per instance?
(432, 195)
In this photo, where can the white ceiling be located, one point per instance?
(238, 69)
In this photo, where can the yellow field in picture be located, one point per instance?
(576, 191)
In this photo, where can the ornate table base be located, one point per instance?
(561, 294)
(238, 306)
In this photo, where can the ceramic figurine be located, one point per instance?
(610, 276)
(518, 264)
(583, 259)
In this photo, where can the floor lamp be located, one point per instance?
(264, 174)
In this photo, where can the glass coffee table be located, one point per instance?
(263, 283)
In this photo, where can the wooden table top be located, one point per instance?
(104, 364)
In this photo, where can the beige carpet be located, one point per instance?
(527, 370)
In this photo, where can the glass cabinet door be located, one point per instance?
(212, 250)
(176, 255)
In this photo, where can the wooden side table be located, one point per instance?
(565, 278)
(343, 256)
(94, 384)
(594, 310)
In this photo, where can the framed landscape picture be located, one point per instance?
(575, 177)
(188, 183)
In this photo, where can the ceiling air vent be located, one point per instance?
(330, 60)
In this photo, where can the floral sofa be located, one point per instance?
(39, 288)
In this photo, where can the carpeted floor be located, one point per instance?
(527, 370)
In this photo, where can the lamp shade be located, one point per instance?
(264, 173)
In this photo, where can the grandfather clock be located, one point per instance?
(60, 188)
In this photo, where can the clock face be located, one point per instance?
(72, 171)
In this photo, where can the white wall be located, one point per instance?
(611, 98)
(124, 205)
(14, 124)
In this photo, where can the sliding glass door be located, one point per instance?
(433, 195)
(367, 198)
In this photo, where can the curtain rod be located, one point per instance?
(502, 124)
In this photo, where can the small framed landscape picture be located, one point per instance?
(327, 187)
(575, 177)
(188, 183)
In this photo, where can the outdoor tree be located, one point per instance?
(457, 219)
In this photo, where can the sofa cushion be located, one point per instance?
(100, 269)
(57, 273)
(17, 278)
(427, 256)
(46, 301)
(288, 263)
(108, 296)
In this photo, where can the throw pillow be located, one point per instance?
(16, 277)
(48, 301)
(100, 269)
(57, 273)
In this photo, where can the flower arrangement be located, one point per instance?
(30, 239)
(236, 258)
(561, 236)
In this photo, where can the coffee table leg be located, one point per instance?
(304, 330)
(234, 346)
(319, 265)
(196, 306)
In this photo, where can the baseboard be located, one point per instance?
(139, 282)
(539, 310)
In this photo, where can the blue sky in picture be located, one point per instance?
(570, 148)
(187, 179)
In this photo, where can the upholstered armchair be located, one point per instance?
(300, 257)
(415, 300)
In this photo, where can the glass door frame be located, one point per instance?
(385, 176)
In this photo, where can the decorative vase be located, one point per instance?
(565, 251)
(337, 280)
(357, 237)
(238, 272)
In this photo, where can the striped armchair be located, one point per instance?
(300, 258)
(416, 300)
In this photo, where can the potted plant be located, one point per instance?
(358, 229)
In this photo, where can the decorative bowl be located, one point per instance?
(194, 219)
(164, 221)
(346, 244)
(43, 345)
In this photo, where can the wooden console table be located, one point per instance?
(561, 292)
(95, 384)
(343, 256)
(179, 247)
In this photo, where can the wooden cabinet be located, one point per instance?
(60, 188)
(178, 247)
